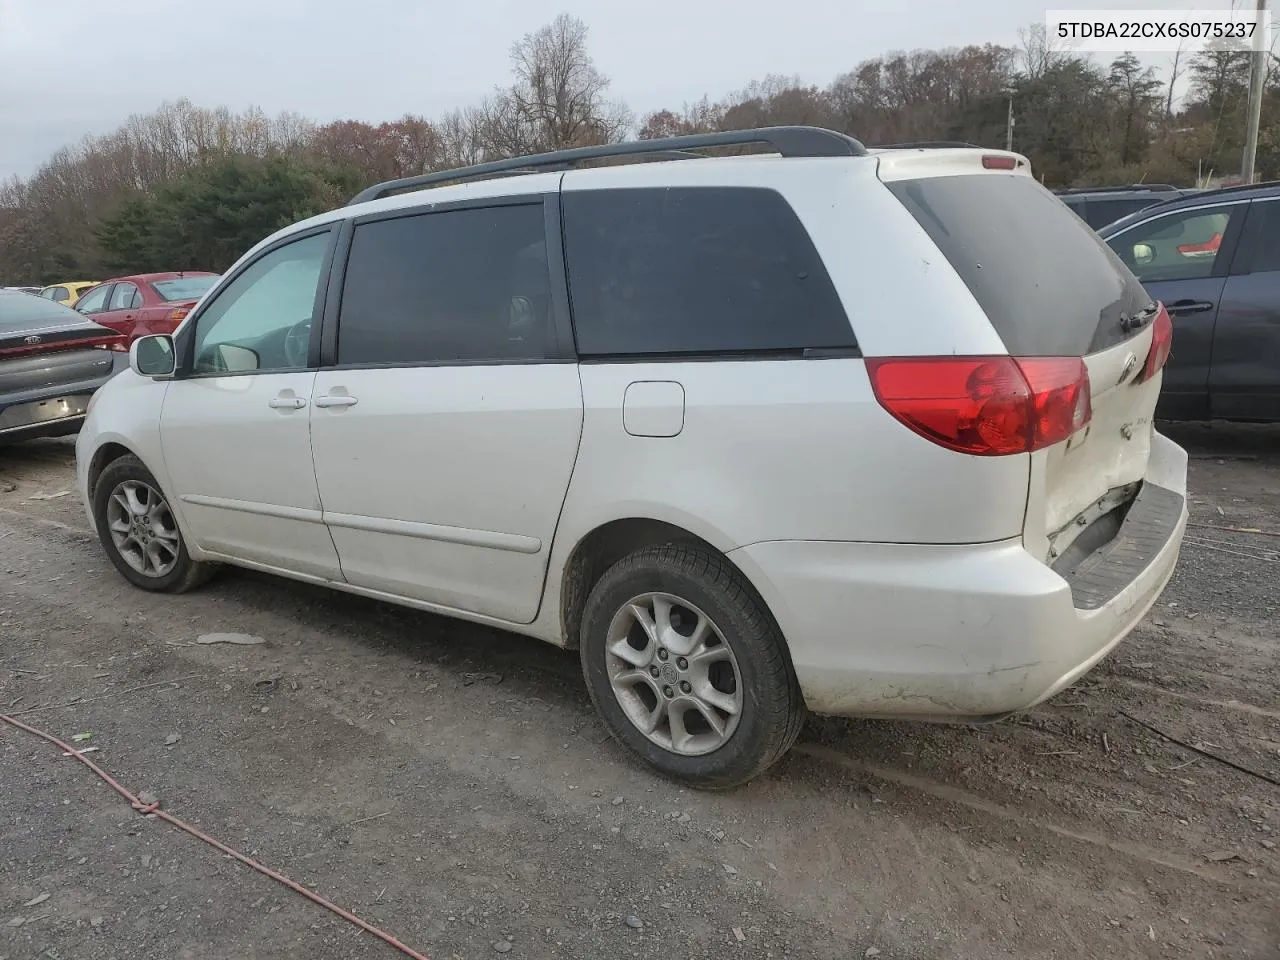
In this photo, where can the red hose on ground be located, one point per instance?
(154, 808)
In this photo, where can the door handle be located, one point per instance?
(287, 403)
(1180, 308)
(336, 400)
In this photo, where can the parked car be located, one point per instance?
(146, 303)
(1099, 206)
(680, 416)
(23, 289)
(67, 293)
(51, 362)
(1214, 260)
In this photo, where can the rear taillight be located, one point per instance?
(1161, 345)
(178, 314)
(994, 161)
(119, 343)
(987, 406)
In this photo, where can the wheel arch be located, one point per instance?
(106, 454)
(607, 543)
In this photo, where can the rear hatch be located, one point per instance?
(1051, 288)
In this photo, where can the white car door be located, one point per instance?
(447, 419)
(235, 429)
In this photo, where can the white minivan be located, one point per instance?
(860, 432)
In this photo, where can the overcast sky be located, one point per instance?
(71, 67)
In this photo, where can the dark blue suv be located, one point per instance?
(1213, 258)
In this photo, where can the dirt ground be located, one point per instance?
(452, 785)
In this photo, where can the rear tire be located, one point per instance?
(687, 667)
(139, 531)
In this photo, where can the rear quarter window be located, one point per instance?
(1048, 284)
(696, 270)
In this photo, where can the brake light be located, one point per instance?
(993, 161)
(1198, 249)
(986, 406)
(1161, 345)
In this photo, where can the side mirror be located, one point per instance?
(1143, 253)
(153, 356)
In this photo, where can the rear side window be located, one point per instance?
(451, 287)
(1047, 283)
(694, 270)
(125, 297)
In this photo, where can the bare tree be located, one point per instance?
(559, 96)
(1036, 55)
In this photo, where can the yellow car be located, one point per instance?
(67, 293)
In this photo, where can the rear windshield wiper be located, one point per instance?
(1132, 322)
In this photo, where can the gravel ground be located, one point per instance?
(452, 785)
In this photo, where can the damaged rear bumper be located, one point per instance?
(960, 632)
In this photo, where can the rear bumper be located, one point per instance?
(51, 411)
(964, 631)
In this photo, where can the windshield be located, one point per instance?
(184, 288)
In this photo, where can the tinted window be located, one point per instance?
(125, 297)
(262, 319)
(695, 271)
(1177, 246)
(183, 288)
(1047, 283)
(448, 287)
(95, 300)
(1260, 244)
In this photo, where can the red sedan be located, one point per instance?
(146, 302)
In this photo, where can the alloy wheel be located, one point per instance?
(143, 529)
(674, 674)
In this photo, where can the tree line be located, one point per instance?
(188, 187)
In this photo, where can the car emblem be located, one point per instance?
(32, 339)
(1130, 362)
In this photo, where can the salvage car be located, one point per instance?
(67, 293)
(1213, 258)
(756, 435)
(146, 302)
(52, 360)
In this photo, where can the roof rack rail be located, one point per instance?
(1154, 187)
(1239, 187)
(926, 145)
(788, 141)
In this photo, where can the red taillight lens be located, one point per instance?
(987, 406)
(1161, 345)
(995, 162)
(178, 314)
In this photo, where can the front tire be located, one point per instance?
(688, 668)
(139, 531)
